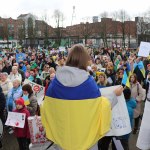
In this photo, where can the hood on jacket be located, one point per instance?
(71, 76)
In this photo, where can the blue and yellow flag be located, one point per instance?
(129, 70)
(125, 80)
(26, 99)
(75, 118)
(141, 67)
(20, 57)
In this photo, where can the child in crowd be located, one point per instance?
(22, 134)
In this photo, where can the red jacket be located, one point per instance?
(23, 132)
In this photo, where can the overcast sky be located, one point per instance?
(83, 8)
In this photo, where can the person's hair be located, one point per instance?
(18, 80)
(127, 93)
(34, 70)
(14, 67)
(28, 88)
(15, 64)
(46, 65)
(5, 73)
(105, 78)
(28, 67)
(135, 78)
(78, 57)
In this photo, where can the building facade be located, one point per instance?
(27, 30)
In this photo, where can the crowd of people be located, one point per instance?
(53, 67)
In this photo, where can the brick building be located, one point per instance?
(105, 33)
(9, 28)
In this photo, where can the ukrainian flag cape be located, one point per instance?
(75, 118)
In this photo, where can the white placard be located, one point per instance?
(62, 49)
(120, 118)
(37, 89)
(15, 119)
(143, 141)
(102, 69)
(144, 49)
(110, 80)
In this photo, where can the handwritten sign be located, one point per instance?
(37, 89)
(15, 119)
(120, 117)
(144, 49)
(62, 49)
(143, 141)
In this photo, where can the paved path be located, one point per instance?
(10, 142)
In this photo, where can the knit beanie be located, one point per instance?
(20, 101)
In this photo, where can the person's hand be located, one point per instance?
(118, 91)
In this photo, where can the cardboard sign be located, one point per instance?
(15, 119)
(37, 89)
(143, 141)
(120, 118)
(144, 49)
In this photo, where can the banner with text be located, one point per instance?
(37, 89)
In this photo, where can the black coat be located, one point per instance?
(7, 69)
(2, 105)
(37, 81)
(2, 101)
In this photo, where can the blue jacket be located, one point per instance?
(12, 96)
(23, 68)
(131, 105)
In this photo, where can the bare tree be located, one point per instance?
(59, 17)
(6, 31)
(115, 26)
(85, 31)
(31, 31)
(128, 27)
(45, 27)
(104, 28)
(123, 17)
(21, 33)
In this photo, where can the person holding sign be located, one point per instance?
(30, 99)
(138, 94)
(74, 103)
(22, 134)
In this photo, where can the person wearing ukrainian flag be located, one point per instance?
(74, 114)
